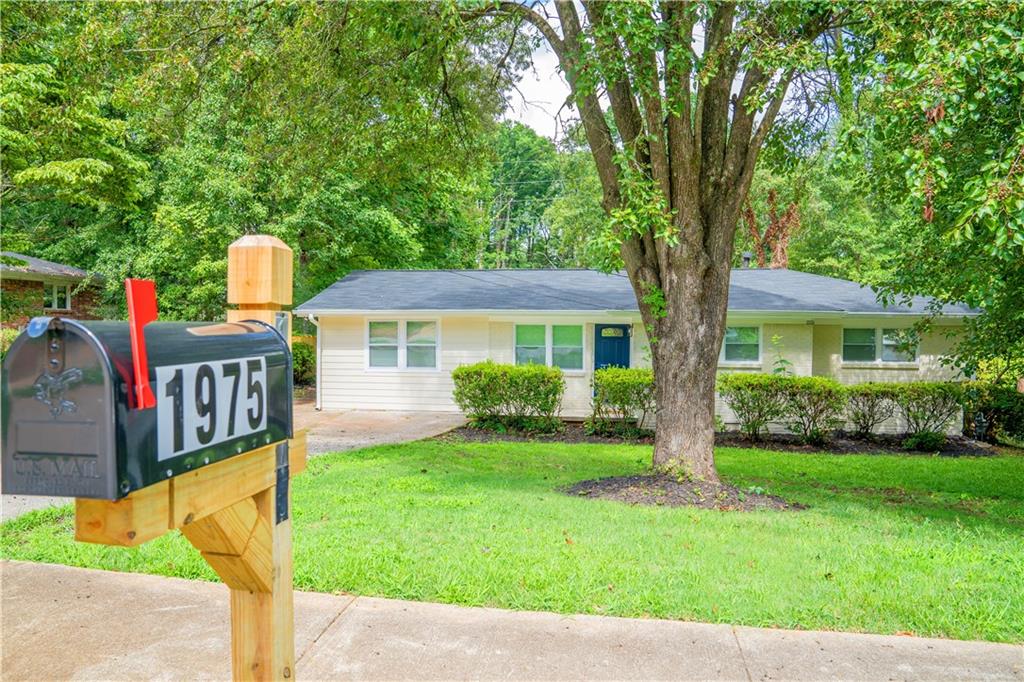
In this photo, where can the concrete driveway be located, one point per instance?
(334, 431)
(329, 431)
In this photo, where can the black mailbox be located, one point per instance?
(71, 426)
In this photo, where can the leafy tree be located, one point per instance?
(524, 182)
(676, 176)
(943, 137)
(219, 119)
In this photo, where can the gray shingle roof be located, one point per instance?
(12, 264)
(582, 290)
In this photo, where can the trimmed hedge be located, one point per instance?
(623, 399)
(813, 407)
(756, 399)
(303, 363)
(869, 405)
(928, 406)
(517, 397)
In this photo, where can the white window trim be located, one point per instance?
(878, 361)
(53, 293)
(401, 367)
(549, 346)
(722, 362)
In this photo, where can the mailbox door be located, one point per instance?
(59, 436)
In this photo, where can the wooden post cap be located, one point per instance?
(259, 271)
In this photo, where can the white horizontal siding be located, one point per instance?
(347, 383)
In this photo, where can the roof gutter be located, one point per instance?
(837, 314)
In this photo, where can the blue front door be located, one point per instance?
(611, 345)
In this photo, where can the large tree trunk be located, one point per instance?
(685, 351)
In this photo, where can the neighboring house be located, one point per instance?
(32, 286)
(389, 339)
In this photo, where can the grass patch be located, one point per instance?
(932, 546)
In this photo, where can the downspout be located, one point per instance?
(312, 318)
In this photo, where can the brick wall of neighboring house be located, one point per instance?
(21, 300)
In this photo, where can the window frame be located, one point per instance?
(402, 360)
(879, 348)
(722, 362)
(549, 344)
(52, 289)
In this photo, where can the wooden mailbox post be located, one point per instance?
(236, 512)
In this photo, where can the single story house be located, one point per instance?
(32, 286)
(389, 339)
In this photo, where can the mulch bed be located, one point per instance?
(573, 432)
(667, 491)
(956, 446)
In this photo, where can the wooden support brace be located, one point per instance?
(127, 522)
(150, 512)
(235, 541)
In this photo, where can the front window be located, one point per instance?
(421, 344)
(557, 345)
(531, 344)
(58, 297)
(741, 344)
(896, 347)
(567, 346)
(874, 345)
(410, 344)
(859, 345)
(383, 344)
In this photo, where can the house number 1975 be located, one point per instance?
(205, 403)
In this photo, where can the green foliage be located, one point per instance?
(869, 405)
(925, 441)
(303, 363)
(17, 303)
(60, 142)
(813, 407)
(927, 406)
(887, 543)
(1002, 407)
(756, 399)
(7, 337)
(942, 134)
(140, 140)
(518, 397)
(623, 399)
(780, 365)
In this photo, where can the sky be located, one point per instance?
(543, 92)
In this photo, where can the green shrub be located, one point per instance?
(925, 441)
(623, 399)
(1001, 405)
(7, 337)
(869, 405)
(927, 406)
(517, 397)
(303, 363)
(756, 399)
(812, 407)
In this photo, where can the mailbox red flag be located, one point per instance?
(141, 295)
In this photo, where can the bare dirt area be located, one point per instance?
(668, 491)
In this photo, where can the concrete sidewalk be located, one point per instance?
(67, 623)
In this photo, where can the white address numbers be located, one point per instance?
(204, 403)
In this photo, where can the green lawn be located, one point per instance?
(926, 545)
